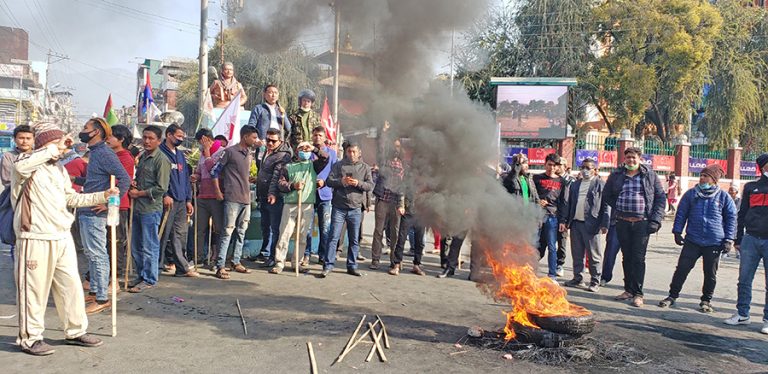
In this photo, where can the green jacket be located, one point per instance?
(153, 174)
(299, 171)
(302, 130)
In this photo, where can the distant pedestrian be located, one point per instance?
(709, 217)
(752, 243)
(673, 189)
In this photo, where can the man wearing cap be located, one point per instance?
(752, 242)
(634, 193)
(93, 222)
(709, 217)
(46, 260)
(303, 119)
(296, 181)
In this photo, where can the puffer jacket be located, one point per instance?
(280, 157)
(710, 217)
(753, 213)
(43, 212)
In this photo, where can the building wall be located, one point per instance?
(14, 44)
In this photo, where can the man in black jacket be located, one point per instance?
(549, 185)
(580, 213)
(752, 245)
(350, 179)
(278, 154)
(635, 193)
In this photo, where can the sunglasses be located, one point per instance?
(272, 140)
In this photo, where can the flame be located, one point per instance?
(528, 293)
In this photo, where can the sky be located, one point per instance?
(105, 41)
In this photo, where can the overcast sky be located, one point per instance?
(106, 39)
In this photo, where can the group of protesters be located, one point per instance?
(630, 206)
(59, 199)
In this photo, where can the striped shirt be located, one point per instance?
(631, 201)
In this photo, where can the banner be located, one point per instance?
(749, 168)
(647, 160)
(582, 154)
(696, 165)
(723, 163)
(536, 156)
(608, 159)
(11, 71)
(229, 124)
(663, 163)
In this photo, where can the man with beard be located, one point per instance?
(304, 119)
(224, 90)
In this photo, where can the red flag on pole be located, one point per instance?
(328, 123)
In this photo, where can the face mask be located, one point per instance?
(177, 142)
(304, 155)
(633, 167)
(586, 174)
(706, 186)
(85, 137)
(766, 173)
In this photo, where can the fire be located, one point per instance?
(528, 293)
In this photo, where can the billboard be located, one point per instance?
(532, 112)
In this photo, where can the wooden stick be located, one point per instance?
(359, 339)
(194, 196)
(242, 319)
(129, 235)
(352, 337)
(113, 251)
(210, 240)
(376, 344)
(298, 231)
(162, 226)
(312, 361)
(384, 330)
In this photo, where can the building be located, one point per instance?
(165, 77)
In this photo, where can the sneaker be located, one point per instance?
(603, 282)
(669, 301)
(637, 301)
(706, 307)
(624, 296)
(736, 319)
(559, 271)
(360, 258)
(354, 272)
(573, 283)
(38, 348)
(324, 273)
(385, 252)
(594, 287)
(764, 330)
(374, 265)
(86, 340)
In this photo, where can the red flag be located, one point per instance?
(328, 123)
(108, 107)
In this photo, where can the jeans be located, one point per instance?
(93, 232)
(633, 238)
(209, 211)
(270, 226)
(612, 248)
(548, 240)
(408, 223)
(145, 245)
(236, 218)
(323, 212)
(752, 251)
(352, 218)
(122, 242)
(173, 244)
(688, 257)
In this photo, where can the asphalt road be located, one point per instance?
(425, 317)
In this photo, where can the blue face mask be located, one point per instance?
(304, 155)
(706, 186)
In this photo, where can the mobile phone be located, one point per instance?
(349, 175)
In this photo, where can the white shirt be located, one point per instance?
(273, 117)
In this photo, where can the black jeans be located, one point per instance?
(451, 259)
(633, 238)
(173, 244)
(688, 258)
(407, 222)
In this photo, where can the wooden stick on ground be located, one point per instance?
(376, 344)
(384, 330)
(242, 319)
(129, 235)
(312, 361)
(352, 337)
(359, 339)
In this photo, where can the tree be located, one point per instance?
(655, 61)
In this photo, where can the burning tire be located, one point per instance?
(571, 325)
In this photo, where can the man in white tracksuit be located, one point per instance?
(46, 260)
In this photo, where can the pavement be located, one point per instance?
(425, 317)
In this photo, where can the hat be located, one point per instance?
(46, 132)
(762, 160)
(103, 125)
(714, 171)
(307, 94)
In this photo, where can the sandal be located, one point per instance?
(222, 274)
(240, 269)
(705, 307)
(669, 301)
(140, 287)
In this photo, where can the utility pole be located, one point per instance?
(336, 69)
(203, 63)
(59, 57)
(453, 53)
(221, 45)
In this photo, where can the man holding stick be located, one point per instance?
(153, 174)
(298, 183)
(46, 261)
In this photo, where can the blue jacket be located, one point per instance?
(594, 218)
(326, 193)
(711, 217)
(261, 118)
(103, 162)
(178, 187)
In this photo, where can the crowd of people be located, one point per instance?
(58, 197)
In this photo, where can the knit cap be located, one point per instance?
(762, 160)
(46, 132)
(714, 171)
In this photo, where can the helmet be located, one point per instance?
(307, 94)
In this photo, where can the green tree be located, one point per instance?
(655, 61)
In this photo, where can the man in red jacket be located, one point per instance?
(119, 142)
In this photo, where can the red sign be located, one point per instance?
(536, 156)
(663, 163)
(723, 163)
(607, 159)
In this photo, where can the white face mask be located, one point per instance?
(765, 173)
(587, 174)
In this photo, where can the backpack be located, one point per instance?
(7, 236)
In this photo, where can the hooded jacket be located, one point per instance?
(753, 213)
(710, 217)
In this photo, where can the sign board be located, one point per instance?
(532, 112)
(663, 163)
(748, 168)
(537, 156)
(11, 71)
